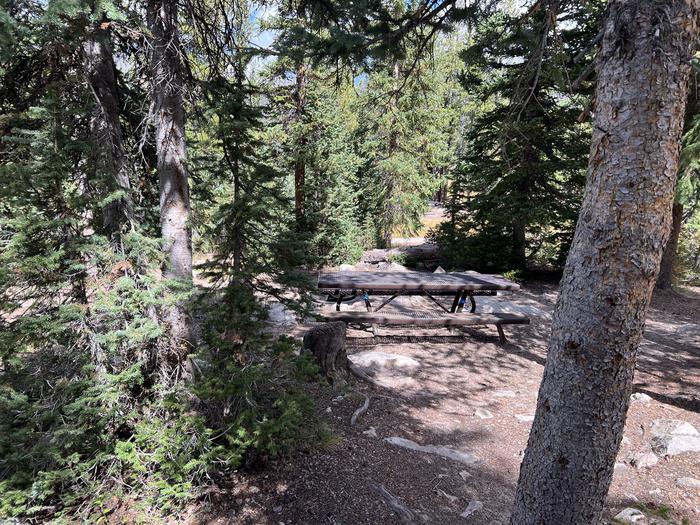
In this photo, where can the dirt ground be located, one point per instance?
(445, 401)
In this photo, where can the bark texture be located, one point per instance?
(327, 344)
(167, 73)
(110, 158)
(668, 261)
(613, 262)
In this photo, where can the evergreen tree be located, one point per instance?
(406, 139)
(516, 194)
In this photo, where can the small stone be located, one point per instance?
(371, 432)
(329, 410)
(464, 475)
(690, 483)
(474, 506)
(631, 516)
(504, 393)
(640, 397)
(346, 268)
(642, 460)
(482, 413)
(439, 269)
(277, 509)
(337, 399)
(524, 418)
(656, 492)
(620, 466)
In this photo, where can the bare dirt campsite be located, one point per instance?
(341, 262)
(447, 423)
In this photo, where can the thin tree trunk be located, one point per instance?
(238, 226)
(665, 280)
(299, 162)
(613, 262)
(167, 78)
(110, 158)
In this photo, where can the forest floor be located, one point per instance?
(446, 400)
(476, 396)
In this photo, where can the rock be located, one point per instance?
(690, 483)
(327, 344)
(445, 452)
(504, 393)
(482, 413)
(391, 267)
(329, 410)
(631, 515)
(346, 268)
(384, 361)
(371, 432)
(642, 460)
(524, 418)
(620, 466)
(375, 256)
(474, 506)
(439, 269)
(277, 509)
(640, 397)
(670, 437)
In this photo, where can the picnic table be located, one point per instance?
(463, 286)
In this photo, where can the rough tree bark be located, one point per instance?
(327, 344)
(167, 79)
(668, 260)
(110, 157)
(613, 262)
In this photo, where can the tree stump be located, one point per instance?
(327, 344)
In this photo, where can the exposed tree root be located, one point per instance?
(360, 411)
(405, 514)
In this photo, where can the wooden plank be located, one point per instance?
(420, 281)
(389, 319)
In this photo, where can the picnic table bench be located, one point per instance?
(461, 286)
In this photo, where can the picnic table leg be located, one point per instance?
(368, 304)
(501, 334)
(462, 300)
(340, 299)
(455, 303)
(473, 303)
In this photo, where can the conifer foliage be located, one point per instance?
(514, 199)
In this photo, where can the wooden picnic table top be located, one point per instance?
(414, 281)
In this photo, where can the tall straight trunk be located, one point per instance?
(391, 206)
(614, 259)
(668, 260)
(169, 113)
(110, 157)
(299, 161)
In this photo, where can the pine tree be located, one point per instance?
(516, 194)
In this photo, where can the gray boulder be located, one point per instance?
(670, 437)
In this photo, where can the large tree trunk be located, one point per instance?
(613, 262)
(167, 78)
(665, 280)
(110, 159)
